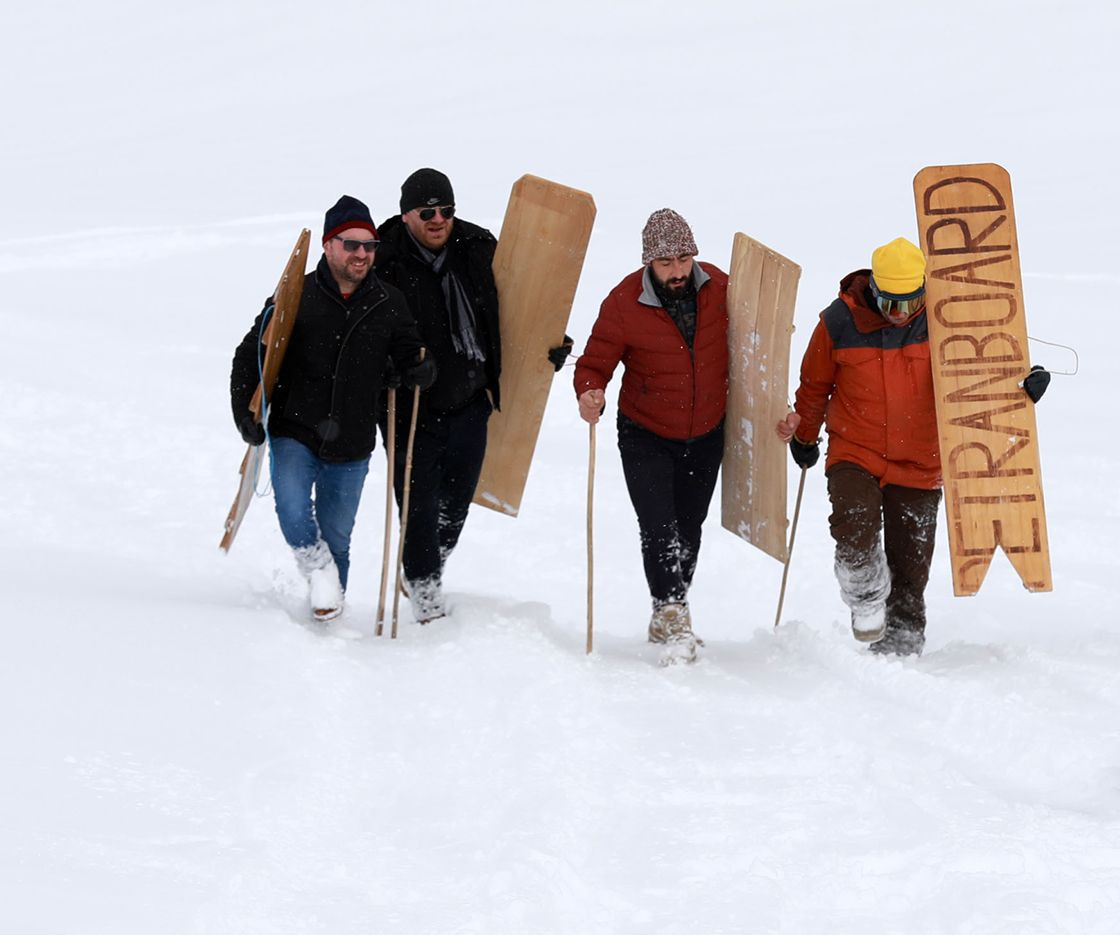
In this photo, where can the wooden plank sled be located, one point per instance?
(762, 290)
(537, 266)
(276, 334)
(978, 349)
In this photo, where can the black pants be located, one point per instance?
(907, 518)
(446, 462)
(671, 485)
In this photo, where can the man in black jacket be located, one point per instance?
(443, 265)
(321, 418)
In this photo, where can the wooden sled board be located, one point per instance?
(978, 349)
(761, 292)
(279, 328)
(276, 334)
(537, 266)
(246, 490)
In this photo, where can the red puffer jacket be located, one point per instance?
(871, 384)
(667, 388)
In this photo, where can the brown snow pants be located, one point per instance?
(907, 518)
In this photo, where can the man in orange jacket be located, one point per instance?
(867, 377)
(667, 324)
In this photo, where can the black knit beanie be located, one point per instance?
(425, 188)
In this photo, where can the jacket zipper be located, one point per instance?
(338, 360)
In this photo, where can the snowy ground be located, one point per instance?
(180, 755)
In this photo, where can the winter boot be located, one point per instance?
(869, 626)
(671, 625)
(865, 586)
(426, 597)
(899, 641)
(318, 566)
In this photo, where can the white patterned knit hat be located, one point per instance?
(666, 234)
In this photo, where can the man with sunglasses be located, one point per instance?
(867, 377)
(322, 416)
(444, 266)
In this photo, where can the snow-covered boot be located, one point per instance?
(317, 564)
(870, 626)
(864, 587)
(671, 625)
(900, 642)
(426, 597)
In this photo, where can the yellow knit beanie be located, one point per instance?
(898, 267)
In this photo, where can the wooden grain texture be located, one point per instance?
(276, 334)
(279, 329)
(250, 470)
(978, 349)
(537, 267)
(761, 293)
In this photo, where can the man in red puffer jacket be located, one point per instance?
(667, 324)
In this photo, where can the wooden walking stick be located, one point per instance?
(406, 484)
(789, 552)
(590, 550)
(390, 457)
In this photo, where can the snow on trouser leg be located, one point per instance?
(909, 531)
(861, 566)
(864, 587)
(670, 483)
(318, 566)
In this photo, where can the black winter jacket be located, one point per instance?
(471, 258)
(327, 392)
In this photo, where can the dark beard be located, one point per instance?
(672, 292)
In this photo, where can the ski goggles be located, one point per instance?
(899, 306)
(447, 212)
(351, 246)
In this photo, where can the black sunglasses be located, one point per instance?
(351, 246)
(447, 212)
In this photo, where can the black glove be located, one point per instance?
(804, 454)
(557, 355)
(1035, 382)
(421, 374)
(251, 430)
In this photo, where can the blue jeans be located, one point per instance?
(296, 472)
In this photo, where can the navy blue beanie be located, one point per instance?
(347, 212)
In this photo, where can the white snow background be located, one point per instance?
(179, 754)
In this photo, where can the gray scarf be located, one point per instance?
(460, 310)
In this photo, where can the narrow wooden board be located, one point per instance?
(537, 267)
(978, 348)
(761, 292)
(279, 327)
(250, 472)
(276, 334)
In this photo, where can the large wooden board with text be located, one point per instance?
(761, 292)
(978, 349)
(537, 266)
(285, 307)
